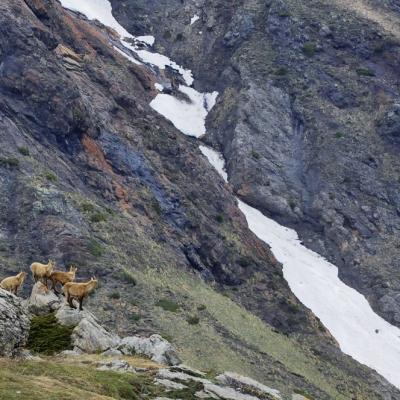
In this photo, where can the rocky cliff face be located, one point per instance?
(307, 119)
(91, 175)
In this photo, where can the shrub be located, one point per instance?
(50, 176)
(255, 155)
(339, 135)
(24, 151)
(135, 317)
(11, 162)
(96, 248)
(201, 307)
(309, 49)
(87, 207)
(193, 320)
(219, 218)
(114, 295)
(47, 336)
(244, 261)
(281, 71)
(365, 72)
(98, 217)
(168, 305)
(128, 277)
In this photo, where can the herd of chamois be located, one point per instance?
(45, 273)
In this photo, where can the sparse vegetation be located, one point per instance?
(47, 336)
(135, 317)
(193, 320)
(168, 305)
(255, 155)
(87, 207)
(98, 217)
(128, 277)
(24, 151)
(115, 295)
(96, 248)
(201, 307)
(219, 218)
(281, 71)
(50, 176)
(309, 49)
(365, 72)
(339, 135)
(11, 162)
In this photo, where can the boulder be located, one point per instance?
(227, 393)
(247, 385)
(115, 365)
(154, 347)
(14, 325)
(42, 300)
(88, 335)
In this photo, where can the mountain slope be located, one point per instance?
(92, 175)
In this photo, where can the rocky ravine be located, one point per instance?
(308, 117)
(91, 175)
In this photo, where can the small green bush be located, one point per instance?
(114, 295)
(244, 262)
(309, 49)
(98, 217)
(281, 71)
(219, 218)
(365, 72)
(201, 307)
(24, 151)
(168, 305)
(47, 336)
(11, 162)
(255, 155)
(193, 320)
(128, 277)
(96, 248)
(50, 176)
(339, 135)
(135, 317)
(87, 207)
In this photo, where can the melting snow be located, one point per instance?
(159, 87)
(194, 19)
(148, 39)
(344, 311)
(102, 11)
(188, 117)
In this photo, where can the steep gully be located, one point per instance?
(360, 332)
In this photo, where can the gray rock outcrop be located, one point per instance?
(14, 325)
(42, 300)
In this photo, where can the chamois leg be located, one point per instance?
(70, 301)
(80, 304)
(54, 286)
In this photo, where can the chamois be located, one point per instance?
(13, 283)
(62, 277)
(78, 291)
(42, 271)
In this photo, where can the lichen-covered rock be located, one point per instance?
(14, 324)
(42, 300)
(155, 347)
(246, 385)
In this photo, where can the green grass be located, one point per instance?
(51, 176)
(47, 336)
(168, 305)
(219, 218)
(193, 320)
(98, 217)
(87, 207)
(115, 295)
(255, 155)
(128, 277)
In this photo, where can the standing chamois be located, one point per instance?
(78, 291)
(62, 277)
(13, 283)
(42, 271)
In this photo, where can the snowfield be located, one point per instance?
(360, 332)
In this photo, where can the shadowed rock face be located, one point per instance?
(307, 118)
(90, 175)
(14, 325)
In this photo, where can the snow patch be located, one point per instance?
(194, 19)
(148, 39)
(159, 87)
(216, 160)
(188, 117)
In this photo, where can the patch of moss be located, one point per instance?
(47, 336)
(168, 305)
